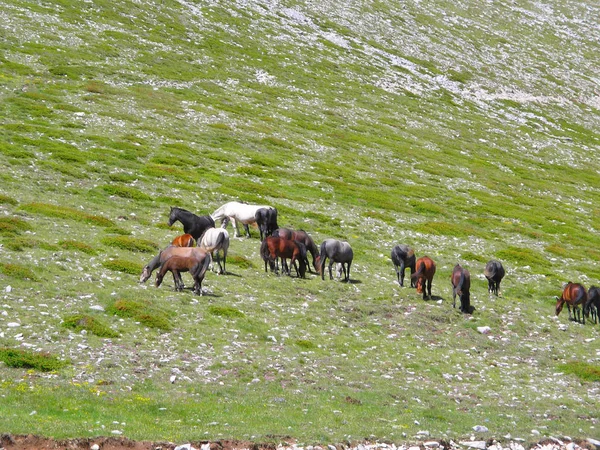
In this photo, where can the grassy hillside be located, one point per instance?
(468, 130)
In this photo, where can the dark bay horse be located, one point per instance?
(178, 264)
(183, 240)
(165, 254)
(574, 295)
(192, 224)
(403, 256)
(300, 236)
(461, 286)
(266, 220)
(275, 247)
(337, 252)
(424, 275)
(593, 303)
(494, 272)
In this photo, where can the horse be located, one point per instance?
(215, 240)
(403, 256)
(300, 236)
(337, 252)
(237, 212)
(574, 294)
(461, 285)
(266, 219)
(593, 303)
(183, 240)
(177, 264)
(165, 254)
(494, 272)
(192, 224)
(275, 247)
(424, 275)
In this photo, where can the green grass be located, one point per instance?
(425, 136)
(30, 360)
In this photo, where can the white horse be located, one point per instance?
(237, 212)
(213, 241)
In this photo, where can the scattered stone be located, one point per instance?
(97, 307)
(8, 289)
(185, 447)
(480, 429)
(431, 444)
(95, 447)
(13, 324)
(484, 330)
(474, 444)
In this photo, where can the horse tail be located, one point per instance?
(264, 251)
(302, 249)
(204, 267)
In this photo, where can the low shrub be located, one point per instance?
(30, 360)
(64, 212)
(130, 244)
(89, 323)
(143, 312)
(121, 265)
(17, 271)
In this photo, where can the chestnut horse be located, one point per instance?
(183, 240)
(494, 272)
(593, 303)
(403, 256)
(275, 247)
(300, 236)
(177, 264)
(424, 275)
(575, 295)
(461, 285)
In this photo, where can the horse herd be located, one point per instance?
(283, 244)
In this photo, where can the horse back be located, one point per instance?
(574, 294)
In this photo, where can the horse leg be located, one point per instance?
(401, 274)
(247, 229)
(330, 266)
(348, 273)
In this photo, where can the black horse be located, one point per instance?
(403, 256)
(266, 219)
(593, 303)
(494, 272)
(192, 224)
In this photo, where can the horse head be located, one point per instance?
(145, 274)
(559, 305)
(172, 216)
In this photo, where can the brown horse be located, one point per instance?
(461, 285)
(575, 295)
(424, 275)
(178, 264)
(300, 236)
(274, 247)
(165, 254)
(183, 240)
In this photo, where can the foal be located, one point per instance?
(575, 295)
(424, 275)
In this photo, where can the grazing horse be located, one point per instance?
(183, 240)
(337, 252)
(494, 272)
(237, 212)
(266, 219)
(300, 236)
(593, 303)
(461, 285)
(214, 241)
(424, 275)
(177, 264)
(275, 247)
(574, 294)
(165, 254)
(403, 256)
(192, 224)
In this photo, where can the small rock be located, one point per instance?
(116, 432)
(8, 289)
(593, 441)
(480, 429)
(484, 330)
(474, 444)
(97, 307)
(535, 432)
(184, 447)
(95, 447)
(13, 324)
(173, 378)
(331, 447)
(423, 433)
(431, 444)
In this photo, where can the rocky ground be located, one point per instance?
(30, 442)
